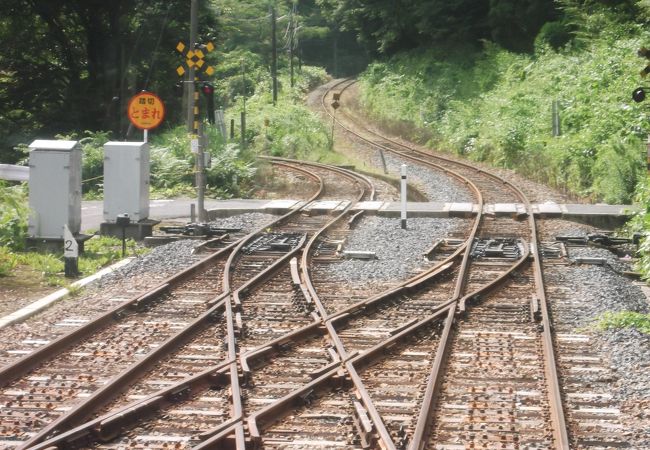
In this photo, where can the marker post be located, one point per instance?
(403, 195)
(70, 254)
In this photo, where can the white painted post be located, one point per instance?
(403, 196)
(146, 135)
(70, 253)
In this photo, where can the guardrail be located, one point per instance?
(14, 173)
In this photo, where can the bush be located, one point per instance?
(288, 129)
(495, 106)
(13, 216)
(8, 261)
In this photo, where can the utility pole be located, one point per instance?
(274, 57)
(190, 88)
(292, 31)
(193, 116)
(336, 52)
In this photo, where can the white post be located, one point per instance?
(146, 135)
(403, 196)
(70, 253)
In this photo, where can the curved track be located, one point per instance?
(281, 355)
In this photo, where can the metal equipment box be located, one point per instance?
(126, 180)
(54, 188)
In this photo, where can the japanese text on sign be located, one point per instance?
(146, 110)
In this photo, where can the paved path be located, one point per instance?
(179, 208)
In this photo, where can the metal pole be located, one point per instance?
(556, 118)
(193, 112)
(403, 196)
(123, 240)
(200, 178)
(648, 153)
(292, 30)
(333, 124)
(336, 53)
(146, 136)
(191, 73)
(274, 57)
(243, 130)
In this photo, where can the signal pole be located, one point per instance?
(292, 31)
(193, 116)
(191, 89)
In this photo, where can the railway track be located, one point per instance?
(283, 355)
(40, 395)
(503, 245)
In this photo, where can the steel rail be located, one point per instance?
(121, 381)
(94, 429)
(341, 170)
(20, 367)
(552, 380)
(118, 384)
(115, 387)
(445, 170)
(230, 262)
(214, 436)
(232, 346)
(220, 434)
(48, 351)
(257, 419)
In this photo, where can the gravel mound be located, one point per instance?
(400, 253)
(165, 260)
(437, 186)
(629, 352)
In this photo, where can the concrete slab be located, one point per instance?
(368, 206)
(462, 209)
(137, 230)
(416, 209)
(282, 204)
(326, 206)
(604, 216)
(601, 216)
(547, 210)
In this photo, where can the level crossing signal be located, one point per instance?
(194, 58)
(208, 92)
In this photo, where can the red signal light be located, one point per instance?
(208, 89)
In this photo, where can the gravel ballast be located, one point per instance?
(399, 252)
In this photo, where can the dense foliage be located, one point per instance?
(389, 26)
(72, 65)
(13, 216)
(495, 105)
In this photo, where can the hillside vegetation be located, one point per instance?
(496, 106)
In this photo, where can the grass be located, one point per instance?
(100, 252)
(624, 319)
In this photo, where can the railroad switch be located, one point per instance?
(273, 242)
(199, 229)
(496, 248)
(597, 239)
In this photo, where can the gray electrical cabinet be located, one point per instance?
(126, 180)
(54, 188)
